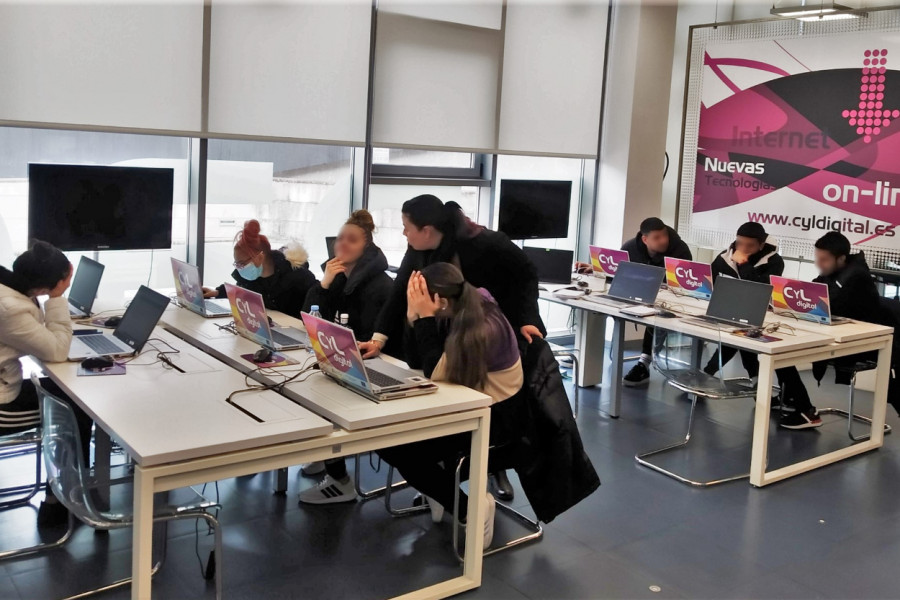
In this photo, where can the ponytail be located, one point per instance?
(467, 342)
(428, 210)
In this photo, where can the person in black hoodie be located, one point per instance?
(853, 294)
(652, 244)
(355, 284)
(439, 232)
(753, 256)
(281, 277)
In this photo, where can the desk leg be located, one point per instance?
(761, 421)
(616, 368)
(281, 481)
(882, 380)
(696, 352)
(590, 339)
(477, 489)
(142, 535)
(102, 452)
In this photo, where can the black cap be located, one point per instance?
(753, 230)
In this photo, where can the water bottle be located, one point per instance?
(344, 320)
(313, 312)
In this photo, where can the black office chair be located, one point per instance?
(852, 370)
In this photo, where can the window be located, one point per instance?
(392, 164)
(298, 192)
(555, 317)
(422, 158)
(385, 202)
(125, 270)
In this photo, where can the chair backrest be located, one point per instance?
(67, 474)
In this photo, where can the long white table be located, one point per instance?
(808, 342)
(181, 432)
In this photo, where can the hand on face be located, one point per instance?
(739, 257)
(63, 284)
(419, 301)
(332, 268)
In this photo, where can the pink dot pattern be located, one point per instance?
(869, 117)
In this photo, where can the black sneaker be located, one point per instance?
(801, 420)
(638, 376)
(785, 406)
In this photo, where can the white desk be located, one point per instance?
(182, 433)
(808, 342)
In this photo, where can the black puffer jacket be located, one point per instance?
(638, 252)
(555, 472)
(284, 290)
(758, 267)
(361, 296)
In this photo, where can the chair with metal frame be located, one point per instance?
(21, 444)
(573, 356)
(853, 370)
(679, 374)
(72, 484)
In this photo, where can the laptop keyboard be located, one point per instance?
(284, 340)
(214, 308)
(100, 344)
(381, 380)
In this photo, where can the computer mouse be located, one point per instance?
(665, 314)
(754, 333)
(582, 284)
(112, 321)
(263, 355)
(97, 363)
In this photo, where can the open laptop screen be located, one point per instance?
(85, 284)
(637, 282)
(141, 317)
(739, 301)
(553, 266)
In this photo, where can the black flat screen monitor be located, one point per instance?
(532, 209)
(83, 208)
(739, 301)
(553, 266)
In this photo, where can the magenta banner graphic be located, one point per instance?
(800, 135)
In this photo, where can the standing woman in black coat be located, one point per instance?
(439, 232)
(355, 284)
(281, 277)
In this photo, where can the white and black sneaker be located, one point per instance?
(329, 491)
(801, 420)
(638, 376)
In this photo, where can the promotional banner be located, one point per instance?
(606, 260)
(249, 314)
(804, 299)
(336, 347)
(690, 278)
(800, 135)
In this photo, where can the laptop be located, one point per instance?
(553, 266)
(84, 287)
(329, 245)
(606, 260)
(190, 292)
(132, 332)
(689, 278)
(736, 304)
(339, 358)
(252, 322)
(635, 283)
(803, 300)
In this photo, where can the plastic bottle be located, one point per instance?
(314, 312)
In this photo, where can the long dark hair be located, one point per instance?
(40, 267)
(429, 210)
(467, 340)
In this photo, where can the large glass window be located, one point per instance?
(298, 192)
(125, 270)
(556, 317)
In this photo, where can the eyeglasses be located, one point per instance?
(239, 264)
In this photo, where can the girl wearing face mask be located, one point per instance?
(27, 329)
(355, 284)
(281, 277)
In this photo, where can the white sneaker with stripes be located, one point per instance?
(329, 491)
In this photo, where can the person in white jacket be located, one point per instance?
(46, 334)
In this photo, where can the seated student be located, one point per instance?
(355, 284)
(853, 294)
(652, 244)
(46, 334)
(753, 256)
(458, 334)
(281, 276)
